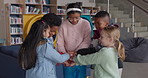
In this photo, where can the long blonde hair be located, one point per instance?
(114, 32)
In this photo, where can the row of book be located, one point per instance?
(45, 1)
(15, 20)
(16, 30)
(15, 9)
(60, 11)
(86, 11)
(46, 10)
(16, 40)
(32, 10)
(38, 1)
(33, 1)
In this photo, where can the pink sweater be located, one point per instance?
(73, 37)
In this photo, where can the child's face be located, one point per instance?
(74, 18)
(101, 23)
(105, 40)
(53, 30)
(46, 32)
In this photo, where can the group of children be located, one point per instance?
(38, 56)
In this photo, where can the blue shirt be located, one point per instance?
(47, 58)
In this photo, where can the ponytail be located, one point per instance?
(121, 50)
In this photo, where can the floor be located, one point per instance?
(135, 70)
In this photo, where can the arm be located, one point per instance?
(60, 41)
(86, 51)
(53, 55)
(95, 58)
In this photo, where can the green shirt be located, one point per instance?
(106, 62)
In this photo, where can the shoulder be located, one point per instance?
(64, 25)
(108, 50)
(44, 46)
(85, 21)
(86, 24)
(41, 42)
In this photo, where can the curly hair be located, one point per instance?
(101, 14)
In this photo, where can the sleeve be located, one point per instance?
(86, 51)
(60, 41)
(56, 57)
(95, 58)
(87, 37)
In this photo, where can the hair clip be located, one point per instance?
(43, 22)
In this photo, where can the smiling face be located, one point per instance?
(74, 18)
(49, 32)
(53, 30)
(101, 22)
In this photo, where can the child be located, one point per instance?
(54, 29)
(101, 21)
(106, 59)
(74, 34)
(37, 55)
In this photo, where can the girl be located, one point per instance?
(106, 59)
(74, 34)
(37, 55)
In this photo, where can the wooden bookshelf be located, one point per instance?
(14, 25)
(14, 16)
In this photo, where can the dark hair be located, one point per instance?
(52, 19)
(74, 5)
(27, 52)
(101, 14)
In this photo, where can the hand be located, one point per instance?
(66, 63)
(72, 53)
(72, 63)
(69, 63)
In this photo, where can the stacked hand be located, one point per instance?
(70, 62)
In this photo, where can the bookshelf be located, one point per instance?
(14, 16)
(93, 12)
(39, 6)
(61, 11)
(14, 23)
(86, 10)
